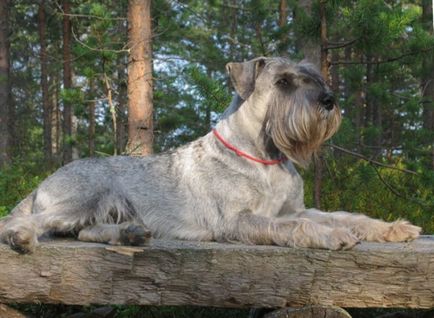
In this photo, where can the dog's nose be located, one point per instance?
(328, 101)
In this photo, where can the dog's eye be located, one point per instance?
(283, 82)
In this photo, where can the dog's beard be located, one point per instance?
(299, 127)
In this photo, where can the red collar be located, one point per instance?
(245, 155)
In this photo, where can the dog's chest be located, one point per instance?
(275, 191)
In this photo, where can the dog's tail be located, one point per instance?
(23, 208)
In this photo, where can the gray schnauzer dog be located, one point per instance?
(237, 183)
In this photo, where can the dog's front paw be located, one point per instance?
(314, 235)
(373, 230)
(135, 235)
(340, 239)
(401, 231)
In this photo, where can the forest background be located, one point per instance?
(379, 62)
(378, 57)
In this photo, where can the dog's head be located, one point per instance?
(296, 107)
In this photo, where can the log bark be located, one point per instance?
(222, 275)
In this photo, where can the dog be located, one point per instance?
(237, 183)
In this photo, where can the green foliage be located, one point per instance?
(212, 92)
(178, 312)
(71, 95)
(363, 187)
(17, 181)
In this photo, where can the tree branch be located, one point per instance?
(338, 45)
(396, 192)
(96, 49)
(358, 155)
(392, 59)
(87, 16)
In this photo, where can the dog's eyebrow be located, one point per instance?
(286, 74)
(311, 73)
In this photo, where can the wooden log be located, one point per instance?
(221, 275)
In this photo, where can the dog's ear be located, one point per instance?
(243, 75)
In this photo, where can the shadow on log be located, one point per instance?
(8, 312)
(309, 312)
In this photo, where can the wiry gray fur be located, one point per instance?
(204, 191)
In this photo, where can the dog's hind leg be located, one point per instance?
(21, 232)
(364, 227)
(17, 229)
(126, 233)
(22, 209)
(255, 229)
(66, 215)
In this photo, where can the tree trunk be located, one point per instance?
(325, 64)
(335, 83)
(122, 62)
(121, 105)
(234, 33)
(311, 49)
(373, 114)
(377, 115)
(55, 116)
(334, 74)
(315, 53)
(369, 80)
(230, 12)
(283, 13)
(427, 82)
(355, 111)
(5, 137)
(283, 22)
(140, 94)
(112, 108)
(46, 106)
(358, 112)
(67, 83)
(91, 113)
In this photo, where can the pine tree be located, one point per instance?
(47, 112)
(5, 137)
(140, 82)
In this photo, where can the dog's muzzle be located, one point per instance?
(327, 100)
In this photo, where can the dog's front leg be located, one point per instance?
(255, 229)
(364, 227)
